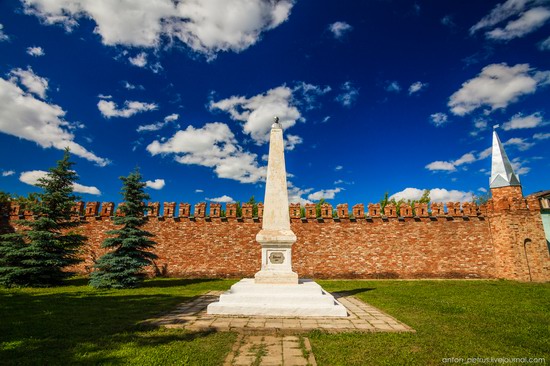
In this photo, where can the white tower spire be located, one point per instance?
(502, 173)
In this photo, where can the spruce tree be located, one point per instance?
(39, 254)
(123, 266)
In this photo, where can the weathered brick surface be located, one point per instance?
(504, 239)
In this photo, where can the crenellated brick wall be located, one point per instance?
(503, 239)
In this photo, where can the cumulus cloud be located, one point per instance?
(541, 136)
(7, 173)
(327, 194)
(3, 36)
(439, 119)
(35, 51)
(130, 86)
(436, 195)
(496, 87)
(31, 177)
(450, 166)
(139, 60)
(339, 29)
(110, 109)
(24, 116)
(348, 94)
(32, 82)
(257, 112)
(526, 16)
(222, 199)
(158, 125)
(213, 146)
(528, 22)
(155, 184)
(441, 165)
(519, 121)
(416, 87)
(205, 26)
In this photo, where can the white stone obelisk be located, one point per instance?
(275, 289)
(276, 237)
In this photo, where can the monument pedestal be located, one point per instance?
(304, 299)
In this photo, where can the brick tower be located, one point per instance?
(521, 251)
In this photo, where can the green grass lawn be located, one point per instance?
(461, 319)
(76, 324)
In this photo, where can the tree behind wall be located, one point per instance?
(123, 266)
(39, 255)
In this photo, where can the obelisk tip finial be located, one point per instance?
(276, 123)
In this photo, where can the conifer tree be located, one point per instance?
(39, 255)
(123, 266)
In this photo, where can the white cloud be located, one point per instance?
(7, 173)
(416, 87)
(206, 26)
(199, 191)
(130, 86)
(24, 116)
(327, 194)
(295, 194)
(448, 21)
(32, 177)
(222, 199)
(441, 165)
(519, 143)
(3, 36)
(501, 12)
(213, 146)
(545, 45)
(348, 94)
(497, 86)
(465, 159)
(519, 168)
(257, 112)
(338, 167)
(158, 125)
(35, 51)
(482, 189)
(393, 86)
(291, 141)
(439, 119)
(309, 94)
(339, 29)
(518, 121)
(109, 108)
(480, 125)
(436, 195)
(528, 22)
(541, 136)
(155, 184)
(140, 60)
(34, 83)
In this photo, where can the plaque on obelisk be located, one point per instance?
(276, 238)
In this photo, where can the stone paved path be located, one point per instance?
(362, 318)
(274, 341)
(269, 350)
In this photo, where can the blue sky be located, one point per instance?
(375, 96)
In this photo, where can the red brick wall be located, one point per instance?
(503, 240)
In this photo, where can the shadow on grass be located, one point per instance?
(64, 328)
(352, 292)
